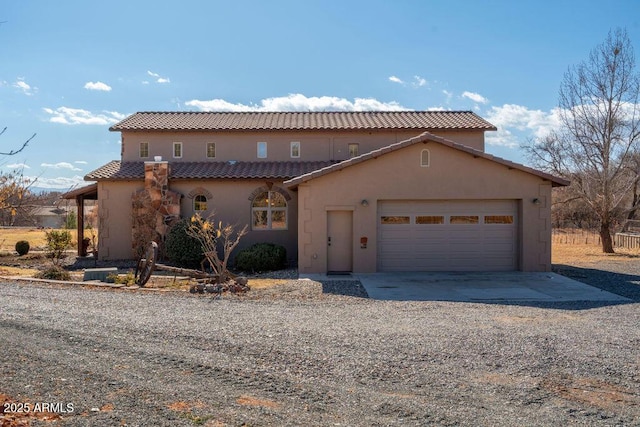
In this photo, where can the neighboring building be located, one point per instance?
(51, 216)
(342, 191)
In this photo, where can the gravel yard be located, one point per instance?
(300, 356)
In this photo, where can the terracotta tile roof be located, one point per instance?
(117, 170)
(426, 136)
(262, 121)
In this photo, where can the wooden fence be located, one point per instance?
(575, 237)
(627, 240)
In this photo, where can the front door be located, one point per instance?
(339, 241)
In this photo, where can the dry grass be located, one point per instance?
(35, 237)
(584, 248)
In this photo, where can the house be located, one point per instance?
(342, 191)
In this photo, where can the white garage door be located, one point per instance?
(473, 235)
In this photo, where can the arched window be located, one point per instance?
(425, 158)
(269, 211)
(200, 203)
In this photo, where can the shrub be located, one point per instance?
(58, 241)
(181, 248)
(54, 273)
(128, 279)
(22, 247)
(262, 257)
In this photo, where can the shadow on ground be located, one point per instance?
(626, 285)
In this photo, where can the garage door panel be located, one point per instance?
(483, 237)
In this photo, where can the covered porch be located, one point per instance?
(89, 192)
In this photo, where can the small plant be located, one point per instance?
(54, 273)
(128, 279)
(22, 247)
(213, 237)
(58, 241)
(262, 257)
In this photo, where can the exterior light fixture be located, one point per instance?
(364, 203)
(536, 201)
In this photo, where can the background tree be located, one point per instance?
(599, 132)
(14, 189)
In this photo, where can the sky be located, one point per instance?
(70, 69)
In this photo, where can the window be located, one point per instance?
(463, 219)
(269, 211)
(353, 150)
(144, 150)
(211, 150)
(262, 150)
(498, 219)
(295, 149)
(177, 150)
(394, 220)
(430, 219)
(424, 158)
(200, 203)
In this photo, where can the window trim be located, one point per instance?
(206, 150)
(424, 164)
(196, 201)
(292, 145)
(263, 144)
(269, 209)
(173, 152)
(146, 143)
(357, 147)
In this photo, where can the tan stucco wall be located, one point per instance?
(242, 146)
(114, 218)
(229, 200)
(452, 174)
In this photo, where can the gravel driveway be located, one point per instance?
(307, 358)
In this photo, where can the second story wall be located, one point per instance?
(279, 146)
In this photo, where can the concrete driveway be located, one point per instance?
(476, 287)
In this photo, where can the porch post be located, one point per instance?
(80, 222)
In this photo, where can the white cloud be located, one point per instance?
(76, 116)
(60, 165)
(24, 87)
(97, 86)
(475, 97)
(58, 183)
(511, 118)
(18, 166)
(448, 95)
(419, 81)
(158, 78)
(80, 162)
(299, 102)
(416, 82)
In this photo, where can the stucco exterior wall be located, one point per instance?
(229, 199)
(230, 203)
(452, 175)
(242, 146)
(115, 219)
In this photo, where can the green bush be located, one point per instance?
(22, 247)
(181, 248)
(58, 241)
(127, 279)
(262, 257)
(54, 273)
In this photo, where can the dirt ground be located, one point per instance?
(589, 254)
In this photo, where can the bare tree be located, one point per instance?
(600, 129)
(22, 147)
